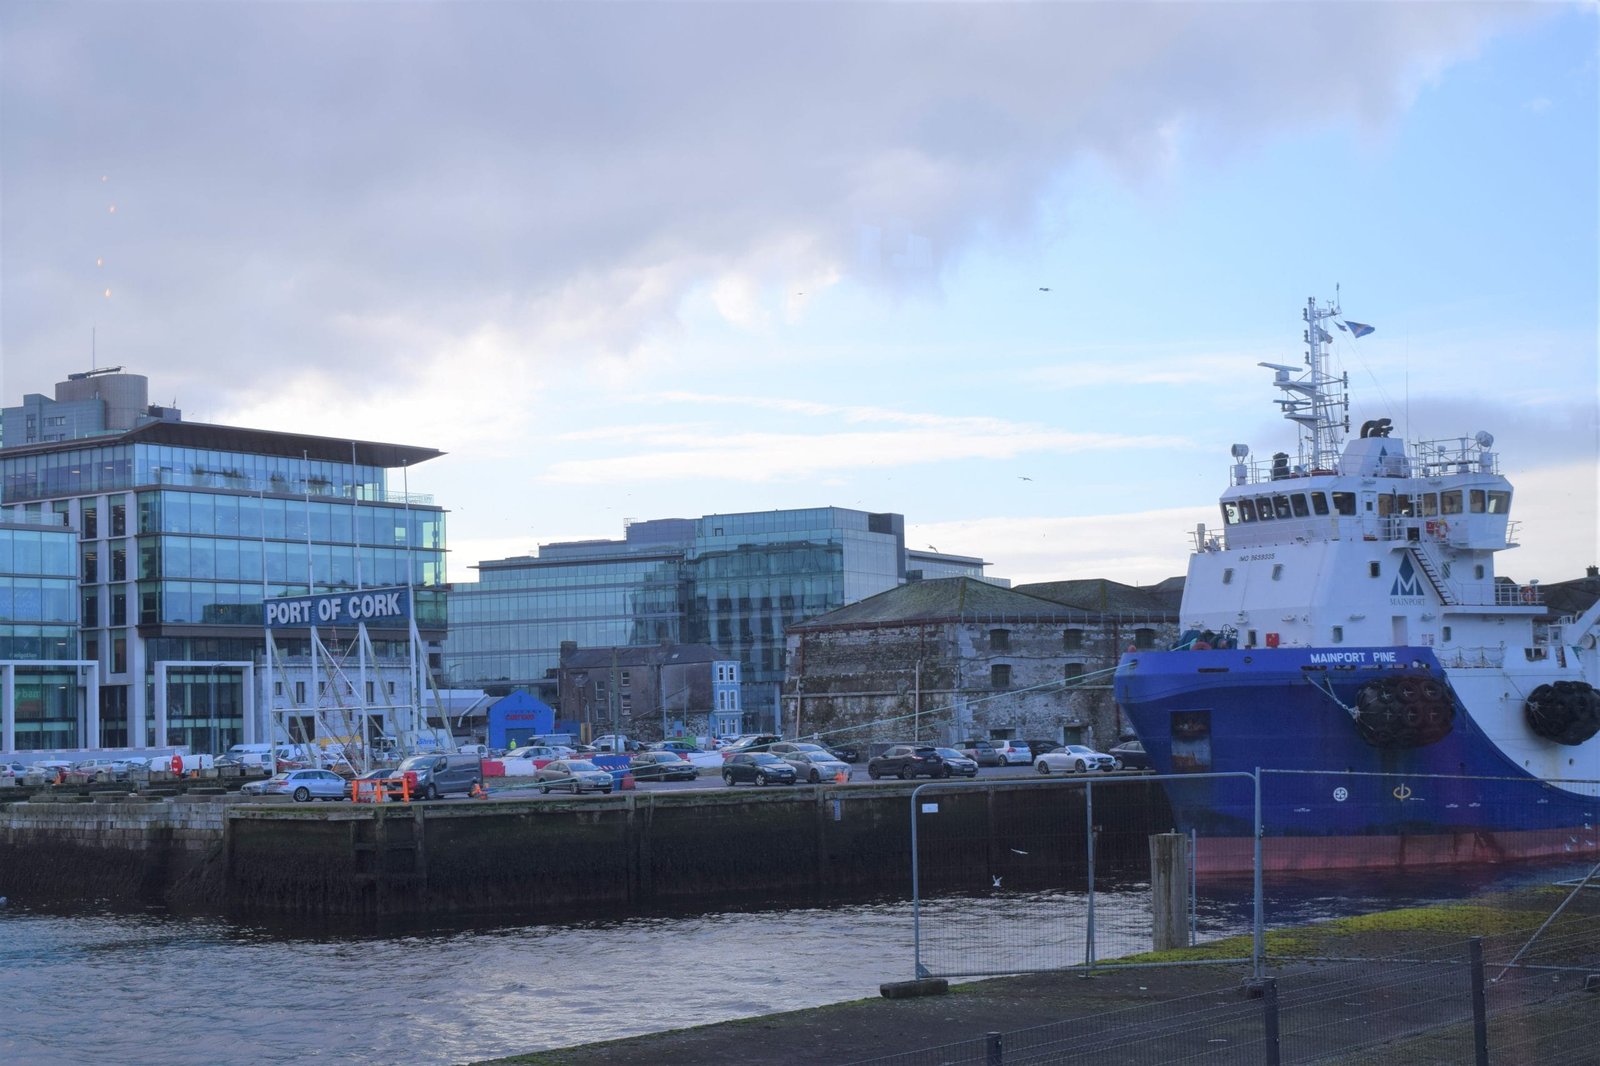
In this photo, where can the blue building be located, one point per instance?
(731, 581)
(181, 530)
(39, 664)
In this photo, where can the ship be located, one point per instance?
(1345, 637)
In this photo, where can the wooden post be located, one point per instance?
(1169, 890)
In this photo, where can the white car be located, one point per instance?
(1012, 752)
(1074, 759)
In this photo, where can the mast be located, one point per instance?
(1316, 401)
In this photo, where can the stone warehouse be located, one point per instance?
(944, 660)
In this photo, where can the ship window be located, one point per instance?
(1430, 504)
(1499, 502)
(1280, 506)
(1247, 510)
(1230, 513)
(1338, 634)
(1477, 571)
(1277, 571)
(1445, 633)
(1264, 508)
(1299, 503)
(1373, 569)
(1250, 638)
(1319, 503)
(1476, 499)
(1344, 502)
(1227, 575)
(1450, 502)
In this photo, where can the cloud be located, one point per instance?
(365, 192)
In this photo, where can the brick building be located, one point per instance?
(947, 659)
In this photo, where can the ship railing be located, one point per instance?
(1454, 455)
(1472, 658)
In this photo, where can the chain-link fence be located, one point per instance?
(1057, 874)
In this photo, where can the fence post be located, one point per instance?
(1088, 838)
(993, 1052)
(1480, 1014)
(1169, 891)
(1269, 1007)
(1258, 917)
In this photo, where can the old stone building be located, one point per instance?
(948, 659)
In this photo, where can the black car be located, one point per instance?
(843, 752)
(751, 742)
(906, 761)
(757, 766)
(661, 766)
(1130, 755)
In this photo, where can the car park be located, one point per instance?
(574, 775)
(1130, 755)
(981, 752)
(958, 764)
(300, 785)
(757, 767)
(661, 766)
(1074, 758)
(906, 761)
(817, 766)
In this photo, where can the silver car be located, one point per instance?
(816, 766)
(575, 775)
(302, 785)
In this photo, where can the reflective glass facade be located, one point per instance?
(177, 545)
(732, 581)
(38, 621)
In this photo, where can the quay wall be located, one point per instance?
(555, 859)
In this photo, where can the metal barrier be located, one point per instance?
(1056, 874)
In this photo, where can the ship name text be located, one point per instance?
(1354, 657)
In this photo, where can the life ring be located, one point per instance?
(177, 764)
(1528, 595)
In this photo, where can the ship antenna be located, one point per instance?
(1313, 400)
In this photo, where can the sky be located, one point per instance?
(1005, 269)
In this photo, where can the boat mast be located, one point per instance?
(1316, 401)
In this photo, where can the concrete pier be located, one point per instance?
(548, 859)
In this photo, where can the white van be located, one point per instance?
(259, 756)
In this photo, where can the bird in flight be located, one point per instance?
(932, 548)
(1022, 478)
(1044, 288)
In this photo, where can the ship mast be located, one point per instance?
(1316, 401)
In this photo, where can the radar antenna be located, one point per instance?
(1316, 401)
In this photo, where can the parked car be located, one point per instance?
(661, 766)
(1074, 758)
(906, 761)
(981, 752)
(1013, 751)
(105, 769)
(750, 742)
(1040, 747)
(680, 745)
(817, 766)
(538, 751)
(443, 772)
(302, 785)
(791, 747)
(957, 763)
(759, 767)
(1130, 755)
(842, 751)
(574, 775)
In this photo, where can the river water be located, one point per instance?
(157, 990)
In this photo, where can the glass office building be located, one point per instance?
(182, 529)
(39, 633)
(732, 581)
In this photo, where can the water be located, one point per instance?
(149, 990)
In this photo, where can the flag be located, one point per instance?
(1358, 329)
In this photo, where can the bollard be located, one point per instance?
(1169, 890)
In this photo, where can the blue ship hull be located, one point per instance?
(1329, 798)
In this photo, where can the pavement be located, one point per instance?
(1407, 1001)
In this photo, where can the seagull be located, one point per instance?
(932, 548)
(997, 882)
(1044, 288)
(1021, 478)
